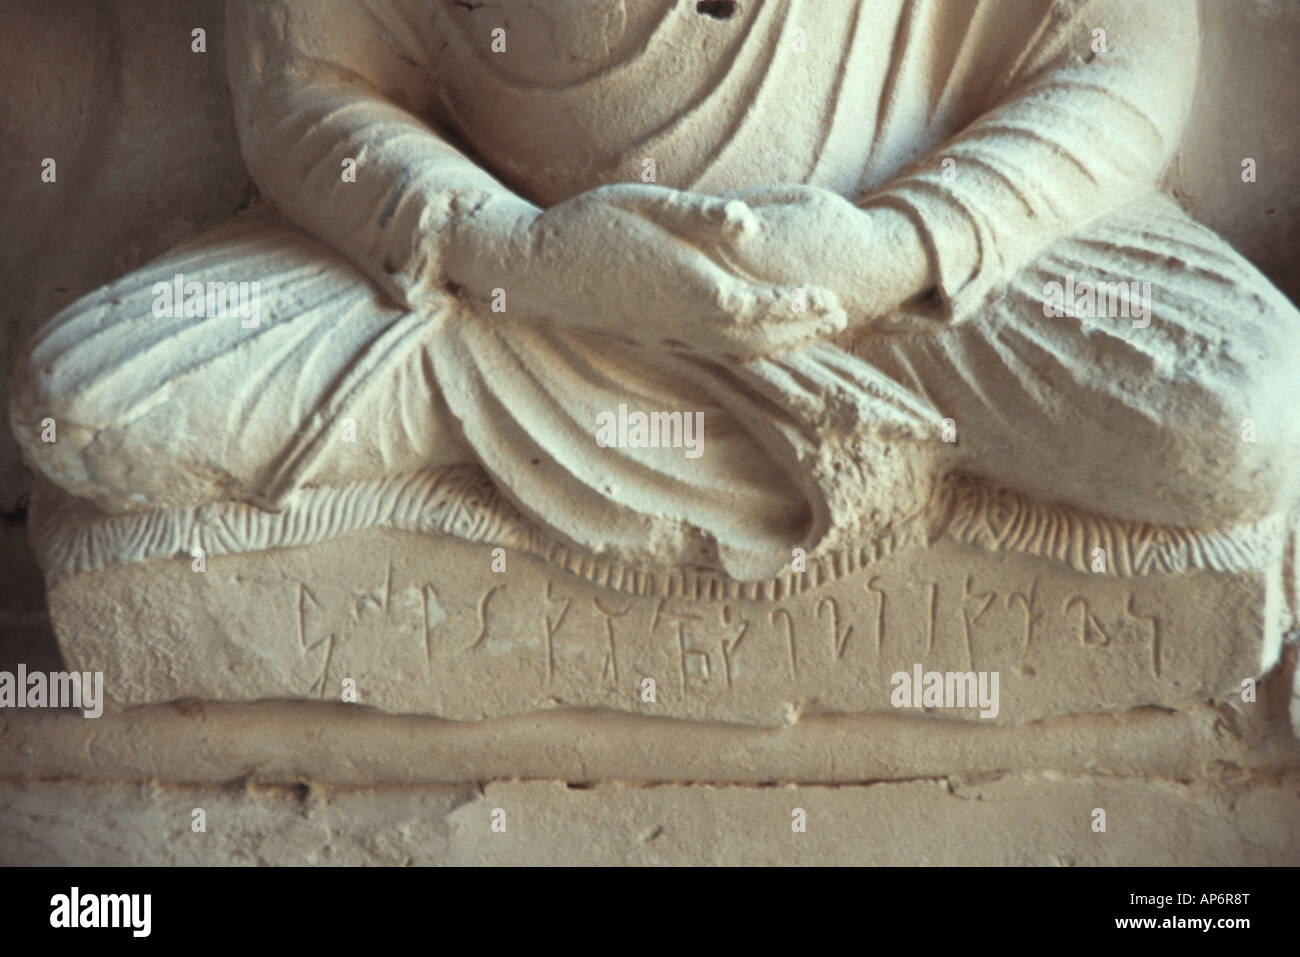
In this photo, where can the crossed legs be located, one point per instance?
(1185, 420)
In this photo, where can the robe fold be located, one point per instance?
(1025, 138)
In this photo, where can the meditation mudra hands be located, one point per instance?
(739, 276)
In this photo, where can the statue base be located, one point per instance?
(923, 624)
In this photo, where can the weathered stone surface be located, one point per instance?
(425, 626)
(540, 671)
(143, 133)
(354, 746)
(850, 320)
(157, 91)
(1008, 820)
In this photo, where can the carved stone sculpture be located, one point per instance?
(714, 305)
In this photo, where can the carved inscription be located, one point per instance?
(578, 643)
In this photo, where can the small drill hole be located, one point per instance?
(718, 9)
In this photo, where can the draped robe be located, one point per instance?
(1057, 137)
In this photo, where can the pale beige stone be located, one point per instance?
(355, 746)
(74, 825)
(1144, 568)
(1006, 820)
(166, 95)
(438, 632)
(143, 132)
(851, 321)
(1011, 820)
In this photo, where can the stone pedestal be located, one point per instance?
(418, 624)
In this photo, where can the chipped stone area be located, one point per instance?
(1014, 819)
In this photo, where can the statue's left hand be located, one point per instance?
(599, 261)
(799, 236)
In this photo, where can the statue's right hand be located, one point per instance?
(597, 265)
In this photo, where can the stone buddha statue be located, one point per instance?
(865, 245)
